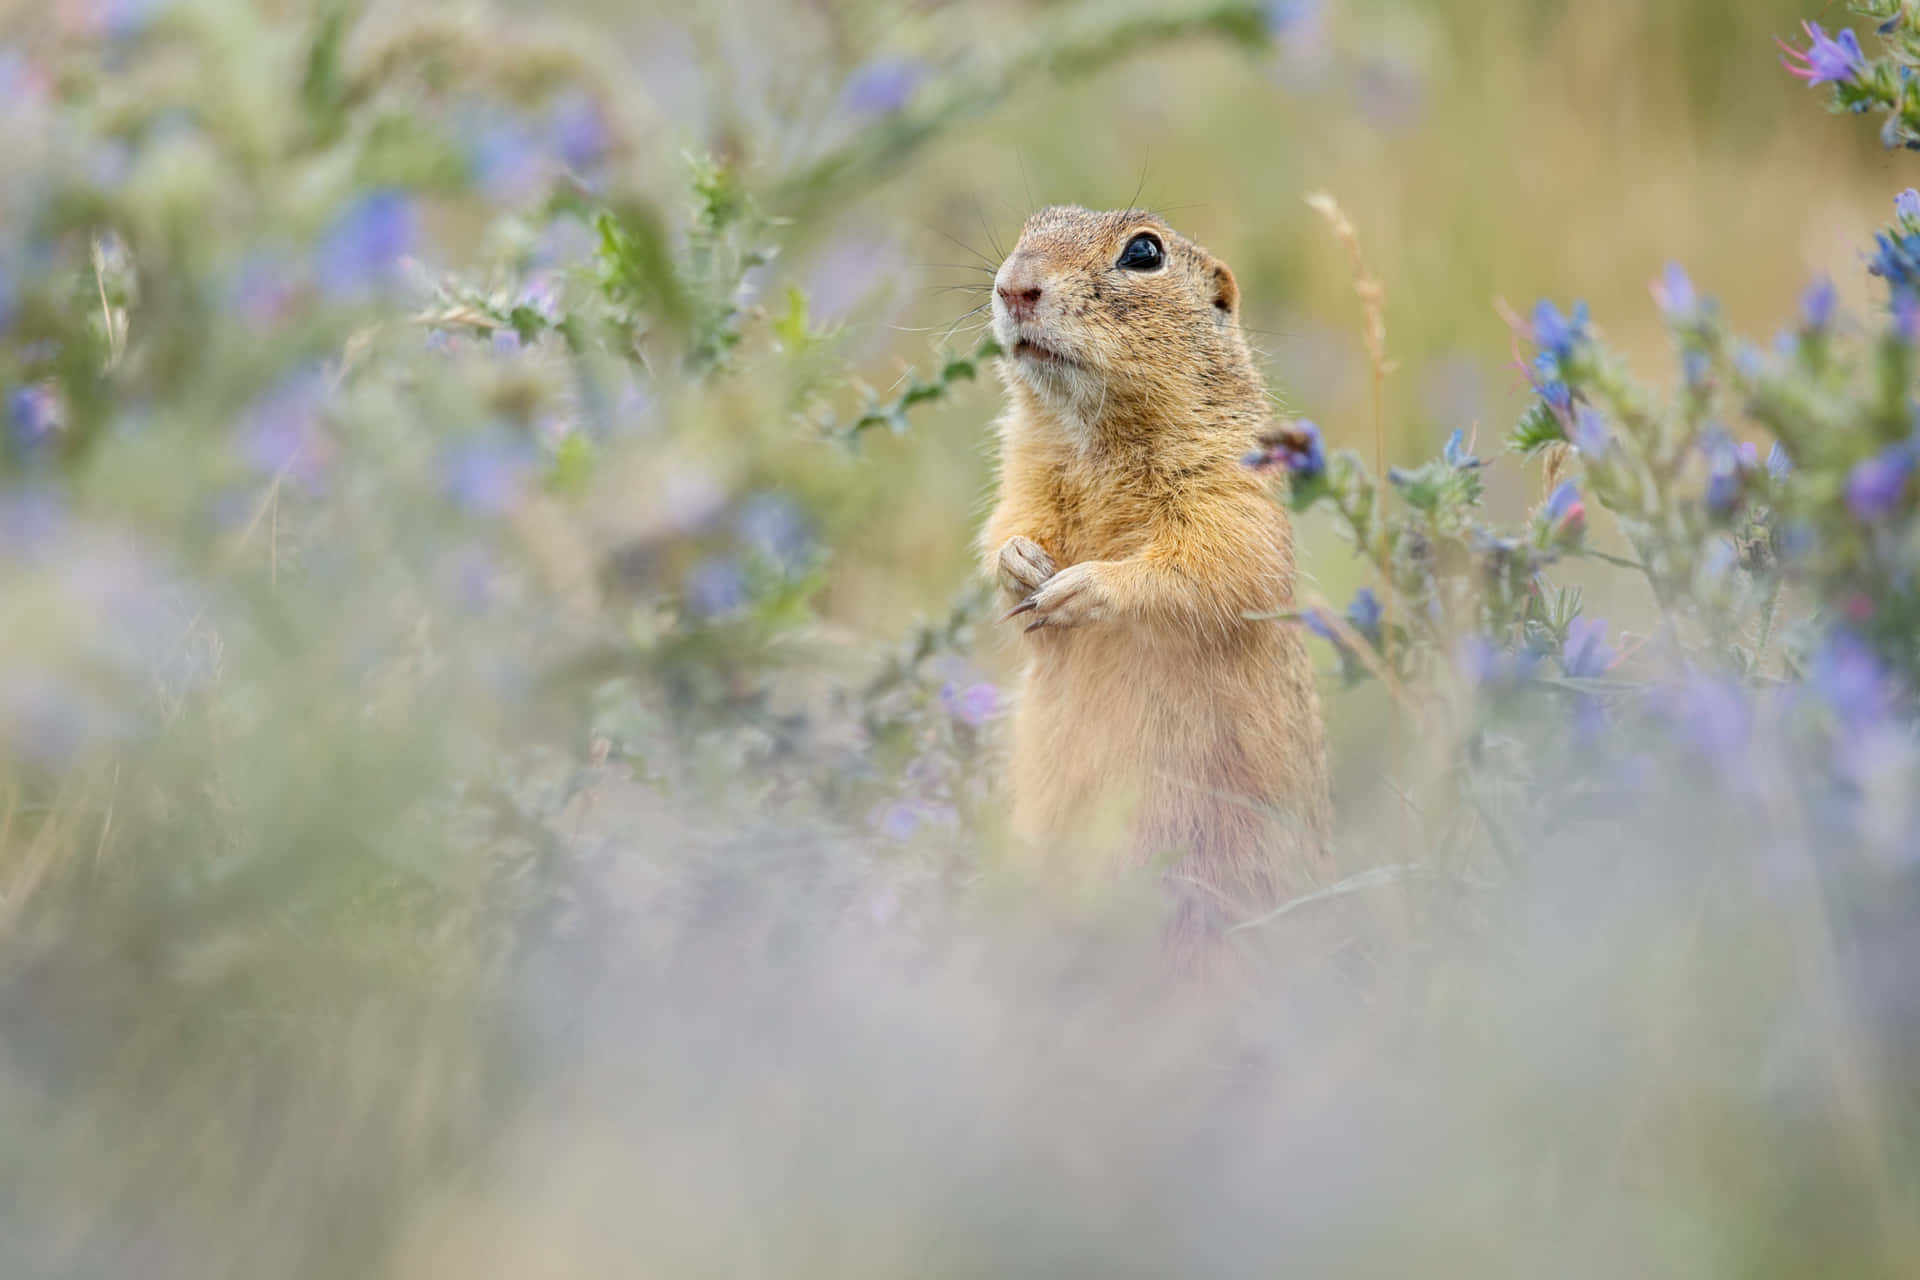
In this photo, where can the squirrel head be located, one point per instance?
(1116, 313)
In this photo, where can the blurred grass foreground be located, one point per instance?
(498, 724)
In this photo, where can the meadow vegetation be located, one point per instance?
(498, 710)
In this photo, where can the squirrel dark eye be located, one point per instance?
(1143, 253)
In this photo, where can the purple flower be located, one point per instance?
(1876, 486)
(1727, 462)
(1564, 512)
(1712, 714)
(1555, 334)
(773, 525)
(487, 476)
(1296, 446)
(1675, 293)
(1365, 614)
(361, 251)
(1316, 621)
(1557, 395)
(1591, 435)
(506, 342)
(1284, 16)
(716, 587)
(263, 291)
(974, 705)
(1907, 204)
(284, 432)
(1456, 453)
(1816, 305)
(1906, 315)
(33, 411)
(1779, 465)
(579, 130)
(1826, 60)
(505, 158)
(1847, 676)
(898, 821)
(1586, 655)
(1489, 667)
(883, 86)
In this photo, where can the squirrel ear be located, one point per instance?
(1226, 293)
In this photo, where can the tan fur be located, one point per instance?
(1153, 721)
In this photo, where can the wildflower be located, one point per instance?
(774, 526)
(487, 476)
(1557, 395)
(1906, 205)
(361, 250)
(505, 158)
(1816, 305)
(897, 821)
(1487, 666)
(1876, 486)
(1565, 515)
(1365, 614)
(1896, 259)
(1826, 60)
(1296, 446)
(1712, 714)
(1586, 655)
(974, 705)
(578, 129)
(1728, 463)
(1779, 465)
(1558, 335)
(716, 587)
(1284, 16)
(506, 342)
(283, 433)
(1906, 315)
(1591, 435)
(34, 413)
(1316, 621)
(1675, 293)
(1847, 676)
(883, 86)
(1456, 453)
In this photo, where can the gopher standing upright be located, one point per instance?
(1154, 720)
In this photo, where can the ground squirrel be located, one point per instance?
(1153, 720)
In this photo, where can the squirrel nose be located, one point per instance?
(1021, 297)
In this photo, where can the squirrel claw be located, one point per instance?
(1025, 606)
(1036, 624)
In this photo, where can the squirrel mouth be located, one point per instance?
(1032, 350)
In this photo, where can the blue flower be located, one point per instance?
(1907, 204)
(33, 412)
(1826, 60)
(1816, 305)
(1779, 465)
(1876, 486)
(1558, 335)
(1906, 315)
(1728, 463)
(1364, 613)
(1316, 621)
(361, 251)
(579, 130)
(883, 86)
(505, 158)
(486, 476)
(1586, 655)
(1851, 680)
(1675, 293)
(1563, 509)
(716, 587)
(774, 526)
(1896, 259)
(974, 705)
(1489, 667)
(1296, 446)
(1557, 394)
(1456, 453)
(1591, 435)
(283, 432)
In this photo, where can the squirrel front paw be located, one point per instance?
(1024, 567)
(1072, 597)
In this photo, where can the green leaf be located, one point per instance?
(1538, 427)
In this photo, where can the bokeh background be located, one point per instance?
(499, 765)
